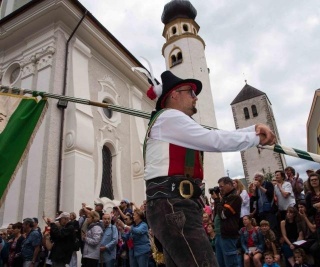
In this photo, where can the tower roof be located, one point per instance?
(247, 92)
(178, 9)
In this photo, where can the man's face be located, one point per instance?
(98, 208)
(123, 204)
(186, 99)
(278, 177)
(9, 229)
(64, 221)
(106, 220)
(258, 179)
(225, 188)
(25, 227)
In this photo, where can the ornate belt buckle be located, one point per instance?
(186, 189)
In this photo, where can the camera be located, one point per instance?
(215, 189)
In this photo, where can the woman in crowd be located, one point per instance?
(92, 238)
(137, 240)
(123, 249)
(252, 242)
(211, 235)
(291, 231)
(245, 206)
(206, 221)
(15, 258)
(313, 197)
(312, 246)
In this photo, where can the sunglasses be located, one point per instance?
(192, 93)
(314, 180)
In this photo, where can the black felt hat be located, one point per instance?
(171, 82)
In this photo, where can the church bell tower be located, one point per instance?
(184, 53)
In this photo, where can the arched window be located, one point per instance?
(174, 30)
(254, 111)
(179, 57)
(185, 27)
(106, 182)
(173, 60)
(107, 111)
(246, 113)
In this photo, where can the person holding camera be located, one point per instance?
(263, 193)
(228, 208)
(63, 239)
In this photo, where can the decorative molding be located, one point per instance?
(69, 141)
(45, 57)
(108, 79)
(39, 61)
(137, 168)
(107, 92)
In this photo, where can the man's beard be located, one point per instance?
(194, 109)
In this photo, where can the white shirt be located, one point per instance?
(175, 127)
(245, 206)
(284, 203)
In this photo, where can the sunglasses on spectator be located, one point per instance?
(313, 180)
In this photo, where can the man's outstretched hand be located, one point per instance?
(266, 136)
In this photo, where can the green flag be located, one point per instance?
(20, 118)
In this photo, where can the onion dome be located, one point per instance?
(178, 9)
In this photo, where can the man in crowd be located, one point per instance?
(173, 169)
(31, 245)
(228, 209)
(296, 183)
(63, 238)
(98, 207)
(284, 194)
(263, 194)
(108, 245)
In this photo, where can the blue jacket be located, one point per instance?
(109, 240)
(140, 236)
(257, 237)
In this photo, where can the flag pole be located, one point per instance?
(278, 148)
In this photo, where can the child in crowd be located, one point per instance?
(269, 260)
(270, 240)
(300, 258)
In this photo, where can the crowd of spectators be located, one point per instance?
(119, 238)
(271, 223)
(279, 220)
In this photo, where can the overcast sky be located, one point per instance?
(274, 45)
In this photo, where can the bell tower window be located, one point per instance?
(254, 111)
(185, 27)
(246, 113)
(174, 30)
(176, 57)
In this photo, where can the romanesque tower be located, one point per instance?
(184, 53)
(252, 106)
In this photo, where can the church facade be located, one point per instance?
(84, 153)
